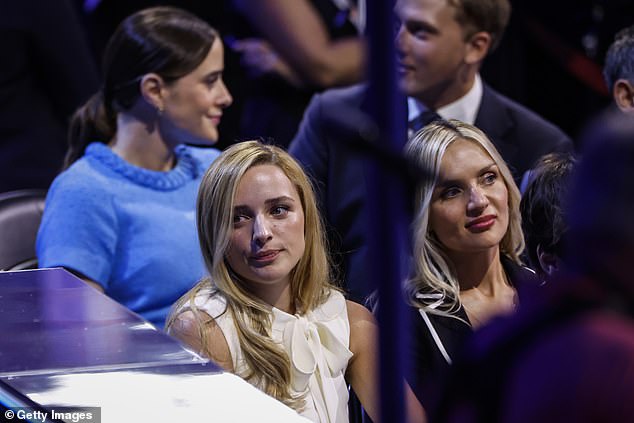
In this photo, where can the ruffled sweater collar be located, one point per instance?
(187, 168)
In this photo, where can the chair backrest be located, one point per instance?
(20, 216)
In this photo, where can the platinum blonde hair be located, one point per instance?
(434, 275)
(268, 364)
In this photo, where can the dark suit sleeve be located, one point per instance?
(548, 138)
(310, 148)
(520, 135)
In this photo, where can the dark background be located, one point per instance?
(550, 58)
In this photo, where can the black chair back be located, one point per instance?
(20, 216)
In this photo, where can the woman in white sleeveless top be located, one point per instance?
(268, 311)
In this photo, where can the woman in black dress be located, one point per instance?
(467, 246)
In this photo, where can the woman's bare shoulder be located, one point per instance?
(199, 331)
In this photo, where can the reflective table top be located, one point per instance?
(64, 344)
(51, 320)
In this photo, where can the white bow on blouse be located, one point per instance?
(315, 350)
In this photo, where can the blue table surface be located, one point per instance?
(51, 322)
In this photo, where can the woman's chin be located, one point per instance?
(204, 137)
(201, 140)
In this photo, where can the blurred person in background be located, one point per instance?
(542, 209)
(294, 49)
(618, 70)
(46, 73)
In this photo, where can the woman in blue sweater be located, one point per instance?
(121, 215)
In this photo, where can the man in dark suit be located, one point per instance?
(441, 46)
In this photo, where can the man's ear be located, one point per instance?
(623, 94)
(549, 262)
(478, 47)
(153, 90)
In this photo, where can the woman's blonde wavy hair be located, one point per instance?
(434, 275)
(269, 366)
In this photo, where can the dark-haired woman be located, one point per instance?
(121, 216)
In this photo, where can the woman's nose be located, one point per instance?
(478, 201)
(261, 231)
(226, 99)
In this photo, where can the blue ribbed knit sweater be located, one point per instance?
(130, 229)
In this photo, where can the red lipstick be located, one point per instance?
(481, 224)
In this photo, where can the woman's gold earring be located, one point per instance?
(159, 110)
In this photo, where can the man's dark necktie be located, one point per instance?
(423, 119)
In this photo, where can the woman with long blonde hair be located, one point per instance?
(268, 311)
(467, 244)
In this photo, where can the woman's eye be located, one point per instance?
(450, 193)
(239, 218)
(490, 178)
(279, 210)
(210, 82)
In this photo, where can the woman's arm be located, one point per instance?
(298, 35)
(189, 329)
(362, 371)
